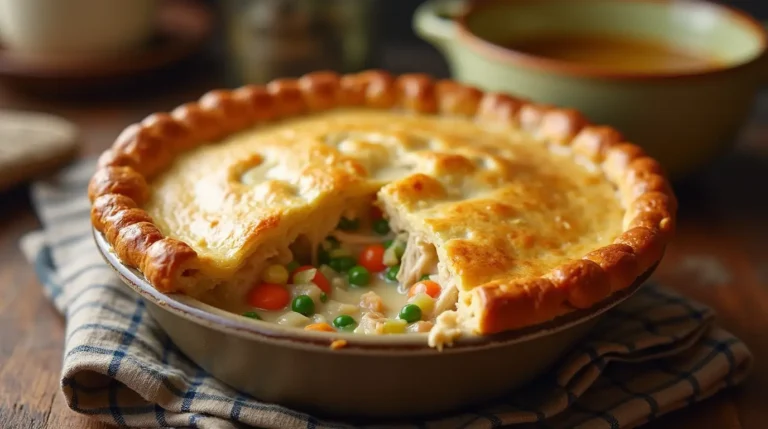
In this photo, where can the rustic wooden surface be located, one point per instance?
(719, 257)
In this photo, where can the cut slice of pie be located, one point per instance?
(517, 213)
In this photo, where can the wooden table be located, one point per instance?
(719, 257)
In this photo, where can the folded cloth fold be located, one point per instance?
(654, 353)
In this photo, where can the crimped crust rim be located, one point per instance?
(119, 187)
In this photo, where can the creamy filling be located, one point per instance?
(360, 277)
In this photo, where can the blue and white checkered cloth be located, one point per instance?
(655, 353)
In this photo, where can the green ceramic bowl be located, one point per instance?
(683, 119)
(394, 376)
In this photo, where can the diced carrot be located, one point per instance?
(268, 296)
(338, 344)
(319, 327)
(372, 258)
(425, 286)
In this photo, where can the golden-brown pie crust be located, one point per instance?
(119, 187)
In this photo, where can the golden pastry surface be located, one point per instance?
(522, 212)
(495, 203)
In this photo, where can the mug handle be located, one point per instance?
(434, 20)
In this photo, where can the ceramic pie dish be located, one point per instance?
(386, 227)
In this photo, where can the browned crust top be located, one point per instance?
(119, 187)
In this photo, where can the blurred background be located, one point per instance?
(75, 73)
(78, 59)
(97, 66)
(75, 57)
(229, 41)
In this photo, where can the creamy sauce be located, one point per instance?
(371, 305)
(342, 300)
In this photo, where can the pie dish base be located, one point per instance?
(370, 369)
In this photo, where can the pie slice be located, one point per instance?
(410, 205)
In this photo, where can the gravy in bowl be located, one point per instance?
(617, 53)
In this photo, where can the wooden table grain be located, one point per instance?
(719, 257)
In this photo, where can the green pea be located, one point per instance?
(323, 297)
(345, 322)
(359, 276)
(410, 313)
(391, 273)
(342, 263)
(381, 227)
(303, 304)
(348, 224)
(252, 315)
(388, 243)
(292, 266)
(424, 277)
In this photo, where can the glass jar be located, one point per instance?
(267, 39)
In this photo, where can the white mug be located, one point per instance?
(79, 28)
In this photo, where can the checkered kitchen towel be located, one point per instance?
(652, 354)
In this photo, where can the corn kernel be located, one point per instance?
(425, 302)
(275, 274)
(394, 326)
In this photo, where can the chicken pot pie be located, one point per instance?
(377, 204)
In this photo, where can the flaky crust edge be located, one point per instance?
(119, 187)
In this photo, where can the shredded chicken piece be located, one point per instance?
(371, 323)
(420, 326)
(447, 299)
(419, 258)
(445, 331)
(372, 302)
(337, 307)
(352, 238)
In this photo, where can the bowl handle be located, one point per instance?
(434, 20)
